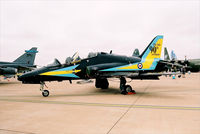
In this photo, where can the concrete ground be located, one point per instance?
(160, 107)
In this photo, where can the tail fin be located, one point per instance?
(153, 50)
(173, 55)
(166, 54)
(152, 53)
(28, 57)
(149, 58)
(136, 53)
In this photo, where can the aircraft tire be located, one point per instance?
(97, 84)
(123, 92)
(128, 88)
(104, 86)
(102, 83)
(45, 93)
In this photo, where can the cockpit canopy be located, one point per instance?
(68, 60)
(74, 58)
(55, 63)
(94, 54)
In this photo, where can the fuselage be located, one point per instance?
(82, 69)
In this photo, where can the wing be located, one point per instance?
(19, 67)
(139, 75)
(170, 64)
(95, 71)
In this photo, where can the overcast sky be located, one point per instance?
(60, 28)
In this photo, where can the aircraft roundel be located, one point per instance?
(139, 65)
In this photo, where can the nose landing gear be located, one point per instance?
(125, 89)
(45, 93)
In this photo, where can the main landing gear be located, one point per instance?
(125, 89)
(102, 83)
(45, 93)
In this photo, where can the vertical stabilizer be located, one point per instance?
(136, 53)
(149, 58)
(173, 55)
(152, 53)
(166, 54)
(28, 57)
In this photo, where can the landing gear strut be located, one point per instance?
(125, 89)
(45, 93)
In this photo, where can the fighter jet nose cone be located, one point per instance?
(29, 78)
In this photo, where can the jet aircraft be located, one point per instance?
(23, 63)
(101, 66)
(173, 63)
(192, 65)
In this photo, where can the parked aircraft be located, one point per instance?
(23, 63)
(101, 66)
(136, 52)
(192, 65)
(173, 64)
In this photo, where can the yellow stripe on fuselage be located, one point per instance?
(146, 65)
(60, 72)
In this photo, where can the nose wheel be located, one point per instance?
(125, 89)
(45, 93)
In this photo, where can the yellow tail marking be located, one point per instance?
(154, 53)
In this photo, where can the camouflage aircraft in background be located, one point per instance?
(22, 64)
(192, 65)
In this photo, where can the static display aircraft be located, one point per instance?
(192, 65)
(101, 66)
(173, 63)
(23, 63)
